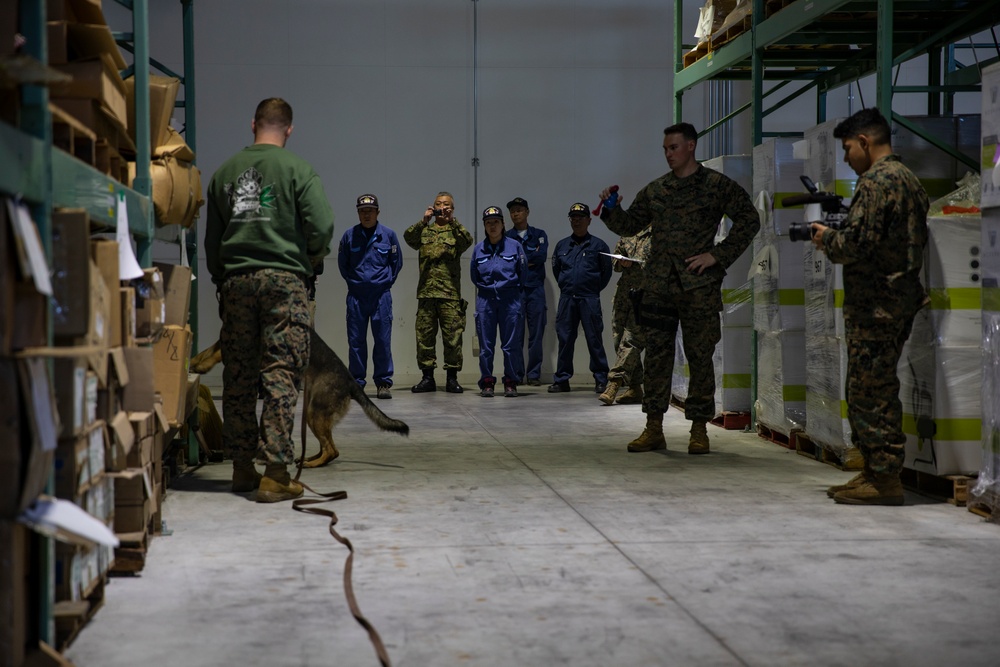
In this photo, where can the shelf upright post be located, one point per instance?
(934, 79)
(757, 131)
(36, 120)
(191, 137)
(883, 57)
(143, 183)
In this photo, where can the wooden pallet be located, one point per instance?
(72, 136)
(806, 446)
(986, 506)
(951, 488)
(697, 53)
(71, 616)
(130, 556)
(983, 510)
(733, 421)
(777, 437)
(728, 34)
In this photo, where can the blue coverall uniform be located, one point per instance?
(370, 261)
(581, 272)
(498, 273)
(536, 250)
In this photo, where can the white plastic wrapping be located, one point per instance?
(986, 491)
(781, 380)
(826, 407)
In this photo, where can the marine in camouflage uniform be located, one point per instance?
(268, 225)
(683, 277)
(440, 241)
(881, 247)
(628, 343)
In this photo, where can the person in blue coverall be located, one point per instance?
(582, 272)
(497, 269)
(536, 250)
(370, 260)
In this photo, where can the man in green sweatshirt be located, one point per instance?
(269, 226)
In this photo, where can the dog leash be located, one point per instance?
(308, 506)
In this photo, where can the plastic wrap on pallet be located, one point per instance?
(826, 372)
(823, 284)
(953, 265)
(732, 371)
(940, 392)
(776, 172)
(986, 490)
(990, 132)
(736, 287)
(781, 380)
(779, 297)
(825, 164)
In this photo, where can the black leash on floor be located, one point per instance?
(308, 506)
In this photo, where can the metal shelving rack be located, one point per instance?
(825, 44)
(47, 178)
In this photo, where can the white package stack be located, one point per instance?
(779, 296)
(776, 172)
(954, 279)
(781, 380)
(825, 164)
(990, 142)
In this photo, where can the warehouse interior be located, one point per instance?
(504, 532)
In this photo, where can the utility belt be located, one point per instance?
(653, 315)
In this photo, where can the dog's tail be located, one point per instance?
(377, 417)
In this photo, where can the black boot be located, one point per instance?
(426, 383)
(452, 386)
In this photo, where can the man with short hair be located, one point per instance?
(370, 260)
(581, 264)
(881, 246)
(536, 248)
(268, 228)
(683, 277)
(440, 240)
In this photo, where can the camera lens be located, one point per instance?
(799, 231)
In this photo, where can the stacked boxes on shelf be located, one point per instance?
(778, 296)
(732, 354)
(941, 367)
(986, 492)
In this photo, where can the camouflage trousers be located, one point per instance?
(265, 343)
(628, 343)
(872, 392)
(698, 314)
(450, 315)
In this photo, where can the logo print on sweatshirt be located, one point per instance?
(250, 194)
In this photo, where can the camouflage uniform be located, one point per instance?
(439, 291)
(627, 341)
(881, 247)
(267, 231)
(684, 214)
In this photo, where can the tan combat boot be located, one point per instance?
(877, 489)
(608, 397)
(277, 485)
(632, 396)
(651, 437)
(245, 477)
(699, 439)
(852, 483)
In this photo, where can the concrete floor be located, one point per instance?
(512, 532)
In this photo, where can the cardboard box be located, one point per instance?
(43, 420)
(97, 79)
(69, 382)
(8, 277)
(16, 563)
(70, 272)
(109, 397)
(80, 461)
(98, 118)
(133, 486)
(128, 316)
(171, 355)
(58, 32)
(139, 392)
(105, 255)
(162, 98)
(31, 313)
(99, 334)
(132, 518)
(150, 303)
(121, 442)
(177, 292)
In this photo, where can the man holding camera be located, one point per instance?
(881, 247)
(440, 240)
(682, 277)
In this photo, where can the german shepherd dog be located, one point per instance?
(329, 391)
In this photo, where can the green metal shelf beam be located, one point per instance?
(78, 185)
(793, 18)
(22, 168)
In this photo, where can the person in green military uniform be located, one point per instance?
(682, 277)
(268, 228)
(440, 240)
(627, 370)
(881, 246)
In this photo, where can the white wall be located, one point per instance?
(572, 95)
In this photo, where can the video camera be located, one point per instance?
(832, 205)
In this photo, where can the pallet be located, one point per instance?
(980, 509)
(951, 488)
(697, 53)
(777, 437)
(806, 446)
(130, 556)
(72, 136)
(728, 34)
(71, 616)
(733, 421)
(986, 506)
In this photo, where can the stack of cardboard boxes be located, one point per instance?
(100, 421)
(778, 295)
(732, 354)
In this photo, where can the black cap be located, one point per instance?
(579, 209)
(517, 201)
(367, 201)
(492, 212)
